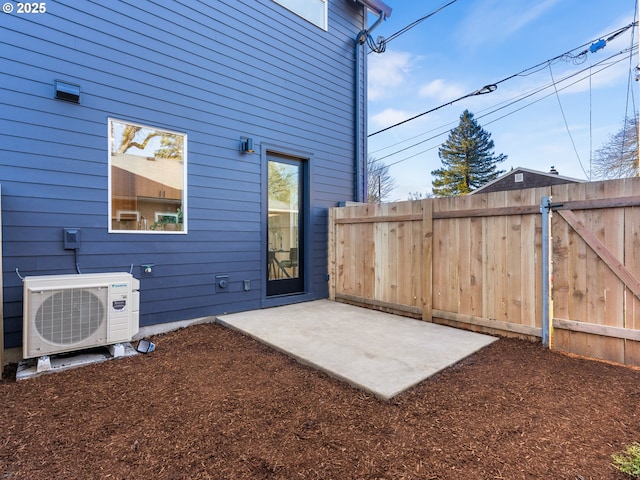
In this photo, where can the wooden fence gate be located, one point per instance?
(475, 262)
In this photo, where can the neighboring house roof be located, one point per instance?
(520, 178)
(164, 171)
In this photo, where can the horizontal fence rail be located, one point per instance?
(475, 262)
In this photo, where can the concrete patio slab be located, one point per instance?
(380, 353)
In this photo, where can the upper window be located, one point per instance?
(147, 178)
(315, 11)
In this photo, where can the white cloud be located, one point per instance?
(389, 116)
(493, 20)
(569, 79)
(441, 91)
(523, 16)
(386, 72)
(600, 78)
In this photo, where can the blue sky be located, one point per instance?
(473, 43)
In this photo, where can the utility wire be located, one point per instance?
(566, 124)
(591, 122)
(479, 117)
(484, 90)
(501, 108)
(381, 44)
(519, 98)
(567, 56)
(626, 110)
(411, 138)
(404, 30)
(552, 93)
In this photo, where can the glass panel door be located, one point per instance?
(284, 250)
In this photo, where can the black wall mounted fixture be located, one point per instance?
(71, 239)
(246, 145)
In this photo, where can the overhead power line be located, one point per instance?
(567, 56)
(484, 90)
(566, 124)
(629, 90)
(508, 104)
(379, 45)
(404, 30)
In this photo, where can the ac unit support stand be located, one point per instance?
(44, 364)
(117, 350)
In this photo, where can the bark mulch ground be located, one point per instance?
(211, 403)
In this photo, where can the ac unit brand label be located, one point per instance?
(119, 305)
(119, 285)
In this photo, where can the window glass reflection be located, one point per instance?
(147, 178)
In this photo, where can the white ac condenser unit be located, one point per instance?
(64, 313)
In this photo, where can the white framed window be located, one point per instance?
(147, 179)
(314, 11)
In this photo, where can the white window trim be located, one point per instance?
(184, 230)
(286, 4)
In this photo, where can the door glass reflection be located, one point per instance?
(284, 215)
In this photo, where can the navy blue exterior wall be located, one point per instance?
(215, 70)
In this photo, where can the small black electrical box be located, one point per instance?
(71, 239)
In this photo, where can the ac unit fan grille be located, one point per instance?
(71, 315)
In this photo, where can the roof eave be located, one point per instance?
(377, 6)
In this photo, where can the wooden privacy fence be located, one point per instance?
(475, 262)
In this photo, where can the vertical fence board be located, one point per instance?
(340, 245)
(347, 273)
(597, 275)
(452, 279)
(632, 262)
(390, 254)
(371, 252)
(499, 246)
(488, 268)
(331, 253)
(613, 221)
(632, 349)
(580, 259)
(380, 271)
(527, 256)
(560, 274)
(402, 277)
(514, 258)
(417, 268)
(475, 262)
(427, 260)
(464, 265)
(440, 256)
(567, 280)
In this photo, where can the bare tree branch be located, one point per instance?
(379, 182)
(618, 156)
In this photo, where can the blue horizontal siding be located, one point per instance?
(130, 59)
(216, 71)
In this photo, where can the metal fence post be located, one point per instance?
(547, 302)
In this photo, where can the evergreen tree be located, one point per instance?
(467, 158)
